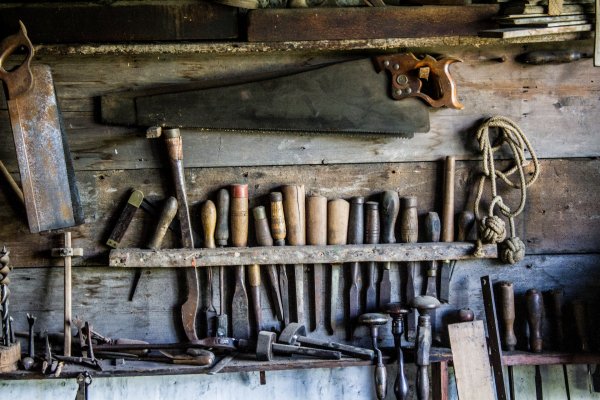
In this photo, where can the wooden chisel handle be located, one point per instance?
(316, 235)
(556, 303)
(167, 214)
(465, 221)
(448, 203)
(222, 229)
(208, 217)
(535, 313)
(390, 206)
(507, 314)
(239, 215)
(371, 237)
(338, 212)
(254, 281)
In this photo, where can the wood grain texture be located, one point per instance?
(280, 25)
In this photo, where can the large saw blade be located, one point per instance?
(348, 97)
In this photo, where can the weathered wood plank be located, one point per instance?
(280, 25)
(120, 21)
(182, 258)
(505, 33)
(559, 218)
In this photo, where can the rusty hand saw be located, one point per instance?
(347, 97)
(47, 177)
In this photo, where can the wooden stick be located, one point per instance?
(67, 293)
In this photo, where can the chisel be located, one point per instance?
(447, 225)
(409, 233)
(316, 235)
(432, 234)
(356, 233)
(221, 238)
(371, 237)
(390, 205)
(295, 213)
(556, 303)
(263, 238)
(189, 309)
(337, 234)
(208, 217)
(240, 321)
(506, 295)
(535, 315)
(278, 232)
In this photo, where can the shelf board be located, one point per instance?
(176, 258)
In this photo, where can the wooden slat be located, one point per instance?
(178, 258)
(505, 33)
(279, 25)
(471, 363)
(120, 21)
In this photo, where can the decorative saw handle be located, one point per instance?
(20, 79)
(427, 78)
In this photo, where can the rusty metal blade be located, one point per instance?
(240, 308)
(47, 177)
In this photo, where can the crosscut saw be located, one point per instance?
(47, 177)
(348, 97)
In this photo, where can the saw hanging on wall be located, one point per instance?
(348, 97)
(47, 177)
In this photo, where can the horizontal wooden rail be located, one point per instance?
(172, 258)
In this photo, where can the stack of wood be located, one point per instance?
(542, 17)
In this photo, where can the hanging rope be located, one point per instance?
(492, 228)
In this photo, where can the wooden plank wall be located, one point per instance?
(556, 105)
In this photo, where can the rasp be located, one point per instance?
(350, 97)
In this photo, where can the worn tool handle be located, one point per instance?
(254, 281)
(448, 202)
(579, 316)
(409, 222)
(507, 313)
(356, 222)
(338, 212)
(306, 351)
(278, 229)
(390, 205)
(222, 229)
(465, 221)
(371, 222)
(556, 303)
(239, 215)
(432, 234)
(167, 214)
(535, 312)
(316, 218)
(295, 214)
(20, 79)
(208, 216)
(261, 227)
(422, 359)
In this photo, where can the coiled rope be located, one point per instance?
(492, 228)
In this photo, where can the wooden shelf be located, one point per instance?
(181, 258)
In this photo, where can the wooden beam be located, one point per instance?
(181, 258)
(278, 25)
(507, 33)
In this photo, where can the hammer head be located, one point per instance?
(291, 333)
(264, 344)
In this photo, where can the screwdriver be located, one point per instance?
(390, 205)
(371, 237)
(240, 321)
(356, 233)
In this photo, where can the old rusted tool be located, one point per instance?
(263, 238)
(278, 231)
(189, 309)
(506, 295)
(240, 319)
(295, 334)
(555, 297)
(427, 78)
(371, 237)
(409, 233)
(447, 226)
(337, 234)
(356, 234)
(125, 218)
(316, 235)
(542, 57)
(208, 217)
(84, 380)
(425, 305)
(374, 321)
(47, 176)
(398, 313)
(165, 218)
(489, 302)
(30, 359)
(294, 209)
(217, 343)
(535, 314)
(432, 234)
(67, 252)
(221, 238)
(199, 357)
(390, 206)
(266, 347)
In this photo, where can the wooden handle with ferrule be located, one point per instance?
(338, 212)
(222, 229)
(356, 222)
(167, 214)
(507, 313)
(294, 204)
(409, 222)
(208, 216)
(390, 205)
(239, 215)
(448, 203)
(261, 227)
(535, 313)
(371, 222)
(278, 229)
(316, 220)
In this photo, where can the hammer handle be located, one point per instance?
(448, 202)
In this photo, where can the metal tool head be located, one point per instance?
(425, 303)
(395, 310)
(373, 319)
(264, 346)
(291, 332)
